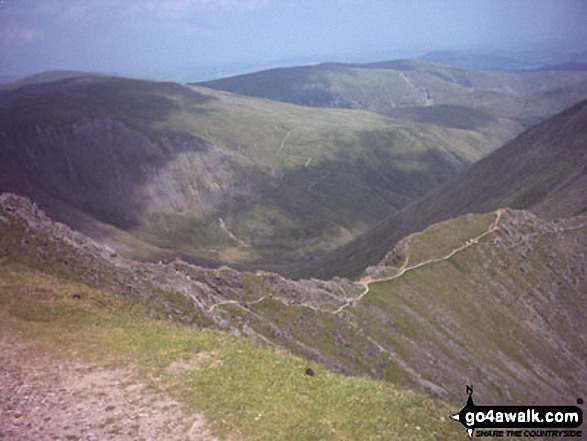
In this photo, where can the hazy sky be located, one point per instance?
(205, 38)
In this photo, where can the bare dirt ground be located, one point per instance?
(44, 398)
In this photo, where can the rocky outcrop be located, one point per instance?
(495, 299)
(116, 173)
(187, 292)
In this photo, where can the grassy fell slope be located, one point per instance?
(74, 314)
(476, 299)
(510, 301)
(176, 382)
(429, 91)
(215, 176)
(542, 170)
(505, 281)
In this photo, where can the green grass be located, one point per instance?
(479, 309)
(466, 98)
(441, 239)
(474, 316)
(245, 391)
(289, 181)
(163, 162)
(182, 233)
(541, 170)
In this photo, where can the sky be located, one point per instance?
(204, 39)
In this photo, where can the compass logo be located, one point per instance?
(512, 420)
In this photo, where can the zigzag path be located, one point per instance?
(367, 280)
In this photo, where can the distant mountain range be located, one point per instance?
(163, 169)
(420, 91)
(432, 240)
(166, 169)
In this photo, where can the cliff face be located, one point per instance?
(116, 173)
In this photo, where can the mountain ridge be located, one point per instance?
(384, 87)
(542, 170)
(90, 337)
(218, 177)
(421, 305)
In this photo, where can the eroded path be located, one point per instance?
(366, 281)
(426, 95)
(44, 397)
(282, 145)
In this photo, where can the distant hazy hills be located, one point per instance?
(497, 299)
(161, 168)
(515, 61)
(543, 170)
(413, 88)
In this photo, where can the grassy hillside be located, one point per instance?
(84, 359)
(443, 295)
(523, 98)
(542, 170)
(509, 301)
(214, 176)
(416, 321)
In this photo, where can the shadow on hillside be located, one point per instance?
(446, 115)
(92, 141)
(350, 193)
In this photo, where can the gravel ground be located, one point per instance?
(44, 398)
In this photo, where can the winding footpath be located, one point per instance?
(234, 302)
(367, 280)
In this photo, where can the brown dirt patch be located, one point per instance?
(43, 397)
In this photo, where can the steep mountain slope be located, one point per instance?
(543, 170)
(508, 296)
(211, 175)
(422, 317)
(495, 99)
(91, 348)
(417, 321)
